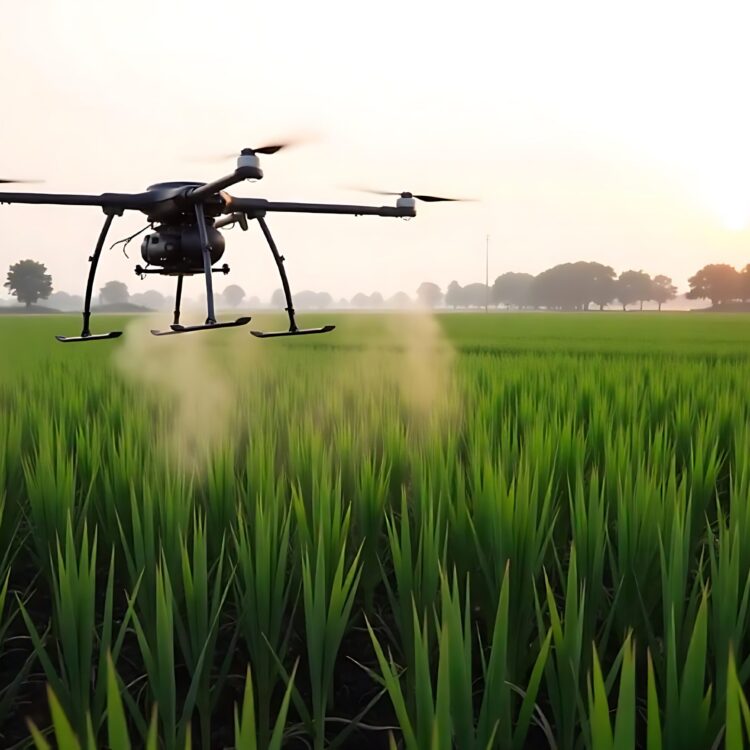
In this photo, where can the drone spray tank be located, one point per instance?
(177, 247)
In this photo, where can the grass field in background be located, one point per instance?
(462, 530)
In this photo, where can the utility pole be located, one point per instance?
(487, 274)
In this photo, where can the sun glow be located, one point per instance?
(728, 197)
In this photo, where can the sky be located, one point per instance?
(587, 130)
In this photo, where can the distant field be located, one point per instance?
(681, 332)
(480, 530)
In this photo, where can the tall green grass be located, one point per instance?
(555, 552)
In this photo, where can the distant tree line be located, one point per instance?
(567, 286)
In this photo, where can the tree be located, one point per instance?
(718, 282)
(150, 298)
(376, 299)
(399, 300)
(234, 295)
(360, 300)
(454, 295)
(278, 299)
(305, 299)
(429, 294)
(744, 284)
(324, 300)
(549, 289)
(512, 289)
(66, 302)
(308, 300)
(114, 293)
(603, 284)
(475, 295)
(633, 286)
(570, 286)
(662, 290)
(29, 282)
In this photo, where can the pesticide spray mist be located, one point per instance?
(183, 371)
(423, 364)
(408, 355)
(197, 377)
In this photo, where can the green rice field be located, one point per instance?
(463, 531)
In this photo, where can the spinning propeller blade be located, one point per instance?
(4, 181)
(266, 150)
(418, 196)
(270, 149)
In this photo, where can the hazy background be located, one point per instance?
(615, 132)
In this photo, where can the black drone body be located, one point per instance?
(185, 219)
(175, 245)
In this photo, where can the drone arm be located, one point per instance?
(340, 209)
(211, 188)
(115, 201)
(254, 207)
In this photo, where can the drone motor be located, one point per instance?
(406, 200)
(249, 162)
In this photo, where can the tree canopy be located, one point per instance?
(114, 293)
(453, 295)
(573, 286)
(429, 294)
(632, 287)
(718, 282)
(662, 290)
(28, 281)
(234, 295)
(512, 289)
(150, 298)
(399, 300)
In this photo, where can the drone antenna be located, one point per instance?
(127, 240)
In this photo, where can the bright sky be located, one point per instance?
(590, 130)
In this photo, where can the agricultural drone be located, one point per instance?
(185, 219)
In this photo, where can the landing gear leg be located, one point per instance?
(206, 250)
(177, 299)
(294, 330)
(94, 260)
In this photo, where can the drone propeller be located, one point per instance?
(4, 181)
(419, 197)
(266, 150)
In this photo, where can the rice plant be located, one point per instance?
(515, 531)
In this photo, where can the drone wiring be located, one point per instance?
(126, 241)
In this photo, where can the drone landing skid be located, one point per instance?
(90, 337)
(296, 332)
(176, 328)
